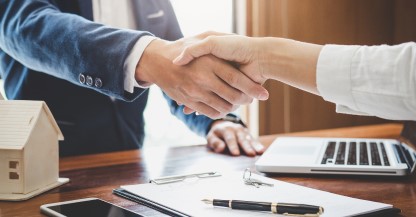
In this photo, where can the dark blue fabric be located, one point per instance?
(46, 44)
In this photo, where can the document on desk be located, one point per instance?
(186, 196)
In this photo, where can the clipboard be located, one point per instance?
(146, 202)
(160, 181)
(162, 197)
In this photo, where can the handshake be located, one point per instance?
(214, 73)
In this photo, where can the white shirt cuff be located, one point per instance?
(346, 110)
(131, 63)
(333, 76)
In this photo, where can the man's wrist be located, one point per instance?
(143, 70)
(228, 118)
(234, 119)
(131, 62)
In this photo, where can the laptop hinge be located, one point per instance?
(408, 134)
(412, 170)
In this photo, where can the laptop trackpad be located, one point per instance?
(295, 153)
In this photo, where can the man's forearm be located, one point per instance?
(65, 45)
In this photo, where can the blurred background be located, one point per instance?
(194, 17)
(370, 22)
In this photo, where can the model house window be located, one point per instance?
(194, 17)
(13, 175)
(13, 164)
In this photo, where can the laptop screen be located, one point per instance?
(409, 134)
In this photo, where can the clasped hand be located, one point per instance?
(208, 85)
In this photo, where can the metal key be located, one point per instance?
(256, 183)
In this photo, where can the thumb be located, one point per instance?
(228, 47)
(188, 110)
(192, 52)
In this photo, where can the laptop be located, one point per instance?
(352, 156)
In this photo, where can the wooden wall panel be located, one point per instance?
(370, 22)
(405, 21)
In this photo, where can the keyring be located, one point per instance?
(247, 172)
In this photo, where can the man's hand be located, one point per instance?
(225, 135)
(247, 52)
(208, 85)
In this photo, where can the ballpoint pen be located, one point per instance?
(278, 208)
(178, 178)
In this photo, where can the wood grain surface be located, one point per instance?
(96, 175)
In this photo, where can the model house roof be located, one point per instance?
(18, 119)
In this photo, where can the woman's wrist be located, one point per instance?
(305, 65)
(274, 60)
(292, 62)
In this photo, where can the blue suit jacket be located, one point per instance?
(45, 45)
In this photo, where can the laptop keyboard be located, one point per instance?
(375, 155)
(340, 159)
(404, 155)
(329, 153)
(384, 154)
(352, 154)
(363, 153)
(369, 153)
(408, 156)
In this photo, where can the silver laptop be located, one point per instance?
(338, 156)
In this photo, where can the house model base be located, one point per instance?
(20, 197)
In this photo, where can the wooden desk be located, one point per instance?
(97, 175)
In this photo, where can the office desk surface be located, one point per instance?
(96, 175)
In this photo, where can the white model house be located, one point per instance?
(29, 154)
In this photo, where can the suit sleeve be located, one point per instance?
(38, 35)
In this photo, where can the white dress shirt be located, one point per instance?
(369, 80)
(118, 14)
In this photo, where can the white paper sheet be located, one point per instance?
(186, 196)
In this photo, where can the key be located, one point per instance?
(257, 183)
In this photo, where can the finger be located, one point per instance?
(193, 51)
(218, 103)
(231, 141)
(187, 110)
(226, 47)
(213, 100)
(216, 144)
(241, 82)
(244, 139)
(206, 110)
(258, 146)
(208, 88)
(212, 33)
